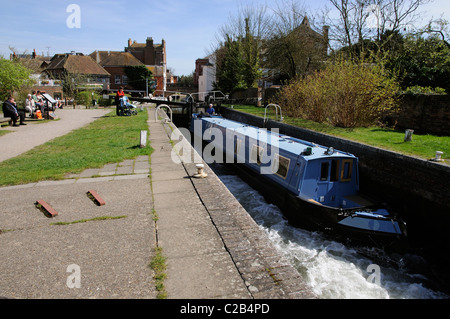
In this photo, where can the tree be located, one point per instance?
(138, 75)
(13, 76)
(361, 20)
(230, 67)
(70, 82)
(422, 62)
(239, 48)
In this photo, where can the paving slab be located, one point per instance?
(112, 255)
(214, 249)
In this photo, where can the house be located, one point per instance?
(304, 51)
(313, 40)
(205, 76)
(154, 57)
(148, 53)
(87, 70)
(115, 63)
(38, 64)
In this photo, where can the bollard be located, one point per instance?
(438, 157)
(408, 135)
(200, 172)
(143, 142)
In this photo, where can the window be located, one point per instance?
(281, 165)
(256, 155)
(117, 79)
(124, 79)
(237, 146)
(346, 171)
(324, 171)
(334, 175)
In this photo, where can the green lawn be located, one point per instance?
(423, 146)
(110, 139)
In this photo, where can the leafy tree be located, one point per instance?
(240, 48)
(13, 76)
(137, 76)
(230, 75)
(252, 70)
(422, 62)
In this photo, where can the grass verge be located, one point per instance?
(423, 146)
(110, 139)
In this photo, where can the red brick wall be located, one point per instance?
(425, 114)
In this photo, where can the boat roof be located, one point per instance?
(287, 143)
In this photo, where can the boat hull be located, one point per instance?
(354, 222)
(308, 215)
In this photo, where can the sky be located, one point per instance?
(189, 28)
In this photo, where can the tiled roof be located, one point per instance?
(99, 56)
(76, 64)
(121, 59)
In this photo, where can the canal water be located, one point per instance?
(334, 270)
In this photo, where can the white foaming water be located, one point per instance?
(333, 270)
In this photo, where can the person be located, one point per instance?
(38, 100)
(120, 93)
(210, 110)
(10, 110)
(30, 105)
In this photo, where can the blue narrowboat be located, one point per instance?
(317, 187)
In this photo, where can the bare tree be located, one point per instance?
(249, 28)
(369, 19)
(250, 19)
(295, 46)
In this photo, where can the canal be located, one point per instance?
(335, 270)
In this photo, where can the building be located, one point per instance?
(154, 57)
(78, 67)
(115, 63)
(205, 76)
(305, 51)
(148, 53)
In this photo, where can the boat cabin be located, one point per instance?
(312, 172)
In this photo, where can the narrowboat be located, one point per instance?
(316, 187)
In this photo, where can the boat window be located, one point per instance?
(346, 172)
(324, 171)
(256, 155)
(334, 175)
(281, 166)
(237, 146)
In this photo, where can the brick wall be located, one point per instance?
(427, 114)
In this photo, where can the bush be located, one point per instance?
(343, 94)
(85, 98)
(424, 90)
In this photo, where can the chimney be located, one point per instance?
(325, 31)
(34, 53)
(129, 42)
